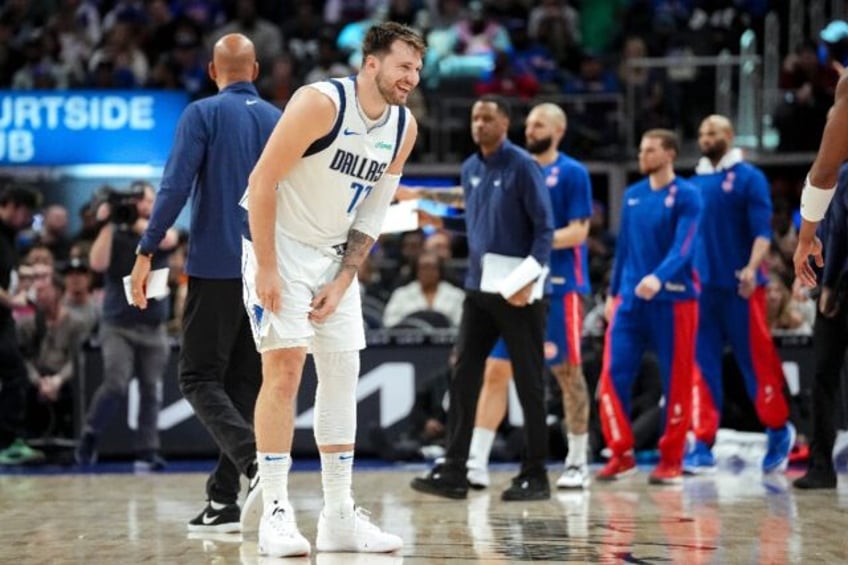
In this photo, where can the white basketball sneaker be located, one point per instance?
(278, 534)
(478, 476)
(251, 510)
(353, 531)
(574, 476)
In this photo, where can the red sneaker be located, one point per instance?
(667, 474)
(619, 466)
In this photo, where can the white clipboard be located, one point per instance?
(157, 285)
(506, 275)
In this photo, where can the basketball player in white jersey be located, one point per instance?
(316, 201)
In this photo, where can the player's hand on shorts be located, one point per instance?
(138, 281)
(803, 252)
(327, 300)
(269, 288)
(747, 282)
(648, 287)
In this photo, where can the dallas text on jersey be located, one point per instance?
(357, 166)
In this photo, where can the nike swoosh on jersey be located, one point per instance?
(251, 102)
(350, 132)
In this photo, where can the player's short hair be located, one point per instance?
(379, 39)
(501, 103)
(668, 139)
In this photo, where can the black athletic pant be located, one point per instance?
(485, 318)
(220, 376)
(830, 339)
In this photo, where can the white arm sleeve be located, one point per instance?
(371, 213)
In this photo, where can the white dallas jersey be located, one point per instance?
(317, 200)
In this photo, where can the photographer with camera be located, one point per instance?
(133, 341)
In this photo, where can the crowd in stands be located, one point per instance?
(520, 48)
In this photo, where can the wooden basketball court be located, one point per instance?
(727, 518)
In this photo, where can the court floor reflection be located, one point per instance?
(738, 517)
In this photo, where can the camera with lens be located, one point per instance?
(123, 204)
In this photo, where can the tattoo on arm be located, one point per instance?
(356, 250)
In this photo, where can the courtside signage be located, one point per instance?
(81, 127)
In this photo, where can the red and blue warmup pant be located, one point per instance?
(667, 328)
(564, 331)
(727, 318)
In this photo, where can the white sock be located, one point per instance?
(577, 445)
(337, 479)
(481, 447)
(217, 505)
(274, 470)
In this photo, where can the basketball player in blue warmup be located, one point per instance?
(571, 198)
(652, 304)
(316, 202)
(735, 237)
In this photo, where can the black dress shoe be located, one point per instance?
(528, 487)
(816, 478)
(442, 481)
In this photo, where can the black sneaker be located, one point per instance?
(85, 453)
(528, 487)
(224, 520)
(816, 478)
(442, 481)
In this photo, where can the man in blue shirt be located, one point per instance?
(830, 340)
(507, 212)
(571, 198)
(735, 238)
(652, 303)
(217, 143)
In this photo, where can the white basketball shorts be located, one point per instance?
(304, 270)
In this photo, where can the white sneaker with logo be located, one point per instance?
(353, 531)
(574, 476)
(278, 534)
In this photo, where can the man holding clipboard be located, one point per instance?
(509, 221)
